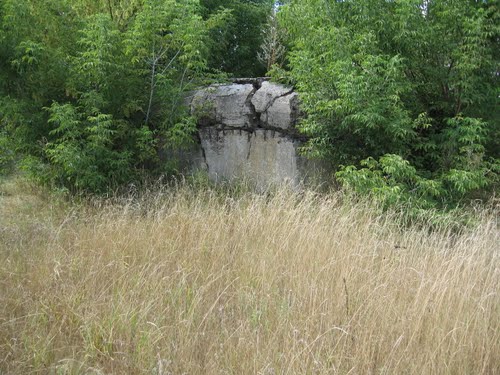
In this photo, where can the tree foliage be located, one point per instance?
(89, 90)
(272, 50)
(236, 43)
(402, 96)
(403, 93)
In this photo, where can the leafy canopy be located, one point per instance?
(236, 43)
(89, 91)
(403, 93)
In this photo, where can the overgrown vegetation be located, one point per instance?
(403, 94)
(401, 97)
(191, 280)
(234, 45)
(90, 91)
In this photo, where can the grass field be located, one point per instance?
(192, 281)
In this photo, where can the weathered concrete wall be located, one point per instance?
(247, 130)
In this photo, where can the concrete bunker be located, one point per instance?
(247, 131)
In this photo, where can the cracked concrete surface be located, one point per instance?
(247, 130)
(247, 105)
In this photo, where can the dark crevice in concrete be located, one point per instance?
(253, 81)
(237, 140)
(249, 145)
(254, 116)
(203, 153)
(223, 128)
(279, 132)
(276, 98)
(255, 119)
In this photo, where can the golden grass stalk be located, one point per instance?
(187, 281)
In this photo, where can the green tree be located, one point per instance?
(407, 90)
(90, 90)
(236, 42)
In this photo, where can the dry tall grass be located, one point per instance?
(192, 282)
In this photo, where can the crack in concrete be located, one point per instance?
(254, 116)
(203, 152)
(243, 142)
(271, 103)
(253, 81)
(255, 121)
(292, 134)
(249, 145)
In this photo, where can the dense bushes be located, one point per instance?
(89, 91)
(401, 97)
(403, 94)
